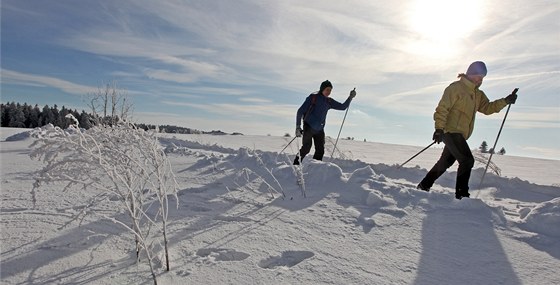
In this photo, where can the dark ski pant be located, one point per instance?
(311, 136)
(456, 149)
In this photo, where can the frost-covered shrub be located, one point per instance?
(119, 163)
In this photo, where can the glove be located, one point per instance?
(438, 135)
(299, 132)
(353, 93)
(511, 98)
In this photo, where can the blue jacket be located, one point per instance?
(315, 115)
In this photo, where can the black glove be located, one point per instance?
(299, 132)
(511, 98)
(353, 93)
(438, 135)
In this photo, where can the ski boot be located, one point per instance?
(422, 187)
(459, 194)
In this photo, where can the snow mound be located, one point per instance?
(19, 137)
(39, 132)
(319, 172)
(544, 218)
(362, 175)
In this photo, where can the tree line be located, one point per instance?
(484, 149)
(16, 115)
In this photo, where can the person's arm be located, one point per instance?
(302, 110)
(486, 107)
(442, 109)
(342, 106)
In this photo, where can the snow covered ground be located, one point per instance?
(242, 219)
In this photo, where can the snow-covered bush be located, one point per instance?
(118, 163)
(483, 160)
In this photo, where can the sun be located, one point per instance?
(438, 26)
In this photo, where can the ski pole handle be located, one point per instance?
(353, 93)
(514, 94)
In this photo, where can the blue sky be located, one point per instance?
(246, 66)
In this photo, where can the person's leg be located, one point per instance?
(445, 161)
(319, 141)
(460, 149)
(306, 142)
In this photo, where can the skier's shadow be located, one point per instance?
(461, 249)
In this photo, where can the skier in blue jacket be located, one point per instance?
(314, 114)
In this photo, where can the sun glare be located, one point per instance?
(441, 24)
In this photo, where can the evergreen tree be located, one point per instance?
(62, 121)
(46, 116)
(56, 115)
(26, 114)
(4, 118)
(17, 117)
(85, 119)
(34, 114)
(483, 147)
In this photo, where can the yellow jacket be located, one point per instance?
(457, 108)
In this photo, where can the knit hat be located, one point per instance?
(477, 68)
(324, 85)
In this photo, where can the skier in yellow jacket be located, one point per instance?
(454, 123)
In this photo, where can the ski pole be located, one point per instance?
(496, 142)
(416, 155)
(287, 145)
(335, 142)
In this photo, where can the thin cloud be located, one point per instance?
(14, 77)
(255, 100)
(240, 110)
(551, 153)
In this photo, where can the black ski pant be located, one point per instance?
(311, 136)
(456, 149)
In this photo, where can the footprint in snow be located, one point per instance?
(182, 273)
(287, 259)
(222, 254)
(200, 209)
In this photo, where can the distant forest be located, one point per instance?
(16, 115)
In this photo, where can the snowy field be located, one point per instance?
(242, 219)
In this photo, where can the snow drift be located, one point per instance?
(242, 219)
